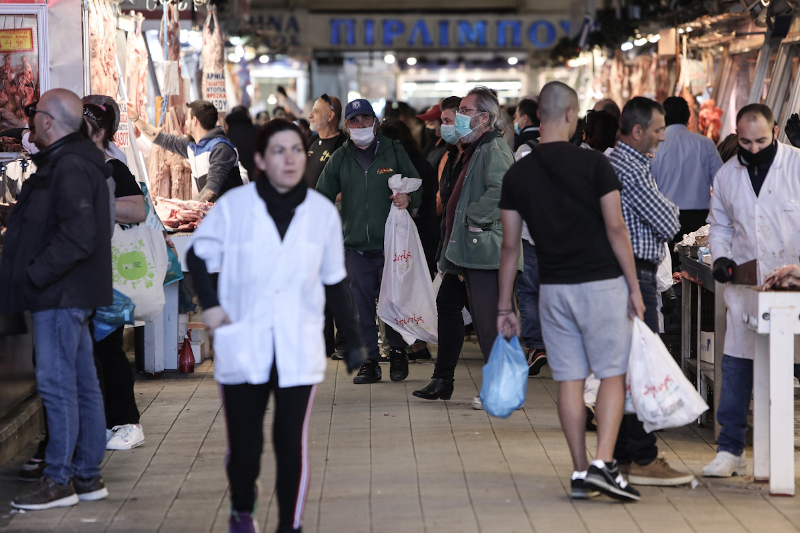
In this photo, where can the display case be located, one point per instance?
(24, 63)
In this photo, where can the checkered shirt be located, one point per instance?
(652, 220)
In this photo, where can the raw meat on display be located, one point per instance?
(170, 174)
(785, 278)
(102, 48)
(136, 74)
(182, 215)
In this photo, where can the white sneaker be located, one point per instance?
(477, 404)
(126, 437)
(109, 434)
(726, 465)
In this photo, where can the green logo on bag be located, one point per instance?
(132, 266)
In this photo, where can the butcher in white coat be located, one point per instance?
(754, 215)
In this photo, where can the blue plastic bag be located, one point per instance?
(505, 378)
(174, 272)
(110, 317)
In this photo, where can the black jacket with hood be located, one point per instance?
(57, 249)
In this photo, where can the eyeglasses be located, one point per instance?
(31, 110)
(327, 99)
(466, 110)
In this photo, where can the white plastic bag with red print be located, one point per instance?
(406, 302)
(655, 387)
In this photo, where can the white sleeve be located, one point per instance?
(208, 240)
(333, 269)
(522, 151)
(720, 234)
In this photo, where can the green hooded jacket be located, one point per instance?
(366, 194)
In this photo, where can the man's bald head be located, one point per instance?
(66, 108)
(554, 101)
(609, 106)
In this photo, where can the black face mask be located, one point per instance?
(763, 157)
(431, 134)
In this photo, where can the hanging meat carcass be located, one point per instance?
(102, 48)
(213, 51)
(136, 73)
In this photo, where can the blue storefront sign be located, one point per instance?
(397, 32)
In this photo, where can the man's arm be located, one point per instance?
(713, 160)
(617, 233)
(509, 261)
(221, 161)
(76, 233)
(173, 143)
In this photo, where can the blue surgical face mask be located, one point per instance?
(517, 129)
(463, 125)
(449, 133)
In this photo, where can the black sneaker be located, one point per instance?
(47, 494)
(34, 474)
(610, 482)
(398, 365)
(536, 360)
(90, 490)
(581, 492)
(338, 355)
(370, 372)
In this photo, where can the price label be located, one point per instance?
(123, 137)
(20, 40)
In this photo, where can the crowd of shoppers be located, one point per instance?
(563, 228)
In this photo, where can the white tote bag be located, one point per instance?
(139, 264)
(406, 302)
(655, 387)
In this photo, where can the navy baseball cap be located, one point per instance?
(358, 107)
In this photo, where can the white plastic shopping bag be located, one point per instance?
(139, 264)
(660, 394)
(406, 302)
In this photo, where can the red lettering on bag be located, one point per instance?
(405, 257)
(408, 320)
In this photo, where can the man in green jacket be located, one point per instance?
(471, 251)
(360, 172)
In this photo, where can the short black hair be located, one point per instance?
(611, 107)
(676, 111)
(396, 129)
(756, 110)
(529, 108)
(451, 102)
(639, 110)
(205, 112)
(239, 109)
(601, 130)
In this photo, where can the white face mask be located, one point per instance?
(362, 136)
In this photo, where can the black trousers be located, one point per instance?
(245, 406)
(116, 380)
(479, 291)
(634, 444)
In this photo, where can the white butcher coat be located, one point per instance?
(745, 227)
(272, 290)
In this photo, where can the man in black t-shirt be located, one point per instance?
(570, 199)
(324, 120)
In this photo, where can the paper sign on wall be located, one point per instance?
(123, 137)
(215, 90)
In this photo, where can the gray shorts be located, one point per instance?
(586, 328)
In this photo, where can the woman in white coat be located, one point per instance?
(754, 214)
(277, 246)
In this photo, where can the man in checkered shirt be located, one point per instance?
(652, 221)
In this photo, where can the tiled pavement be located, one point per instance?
(384, 461)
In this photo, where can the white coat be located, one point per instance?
(272, 290)
(745, 227)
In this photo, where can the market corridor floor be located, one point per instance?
(384, 461)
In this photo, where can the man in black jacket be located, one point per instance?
(57, 264)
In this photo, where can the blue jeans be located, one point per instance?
(528, 299)
(734, 403)
(67, 380)
(364, 274)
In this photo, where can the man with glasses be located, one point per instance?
(360, 171)
(324, 120)
(471, 250)
(57, 264)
